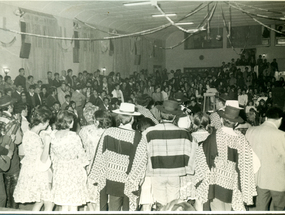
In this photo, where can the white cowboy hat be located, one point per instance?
(233, 103)
(127, 109)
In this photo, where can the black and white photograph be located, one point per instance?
(142, 106)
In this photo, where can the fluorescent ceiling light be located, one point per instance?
(161, 15)
(184, 23)
(138, 3)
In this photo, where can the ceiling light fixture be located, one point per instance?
(138, 3)
(185, 23)
(162, 15)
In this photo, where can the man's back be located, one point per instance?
(269, 145)
(170, 151)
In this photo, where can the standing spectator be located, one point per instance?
(17, 93)
(30, 82)
(69, 78)
(52, 98)
(117, 93)
(56, 81)
(61, 92)
(49, 79)
(274, 65)
(80, 100)
(157, 95)
(20, 79)
(44, 94)
(165, 93)
(8, 83)
(105, 85)
(37, 95)
(66, 102)
(95, 99)
(63, 75)
(31, 102)
(268, 143)
(242, 98)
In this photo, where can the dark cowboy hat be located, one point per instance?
(179, 97)
(231, 113)
(6, 100)
(171, 107)
(143, 100)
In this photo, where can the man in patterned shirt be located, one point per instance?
(227, 180)
(119, 164)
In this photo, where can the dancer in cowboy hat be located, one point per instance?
(170, 155)
(119, 164)
(225, 175)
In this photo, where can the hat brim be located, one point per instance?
(118, 111)
(174, 112)
(236, 119)
(221, 98)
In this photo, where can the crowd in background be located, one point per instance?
(89, 106)
(253, 89)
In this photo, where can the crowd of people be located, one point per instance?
(143, 142)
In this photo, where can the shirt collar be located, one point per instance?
(271, 123)
(127, 126)
(229, 131)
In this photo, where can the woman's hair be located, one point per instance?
(41, 115)
(104, 119)
(64, 119)
(201, 121)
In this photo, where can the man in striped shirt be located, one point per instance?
(170, 154)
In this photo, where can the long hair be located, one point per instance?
(64, 120)
(201, 121)
(41, 115)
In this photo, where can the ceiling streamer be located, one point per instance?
(9, 44)
(201, 27)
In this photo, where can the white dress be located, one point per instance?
(33, 184)
(69, 159)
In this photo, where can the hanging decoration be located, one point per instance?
(219, 37)
(229, 35)
(68, 44)
(205, 22)
(199, 29)
(258, 15)
(261, 23)
(257, 8)
(104, 44)
(9, 44)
